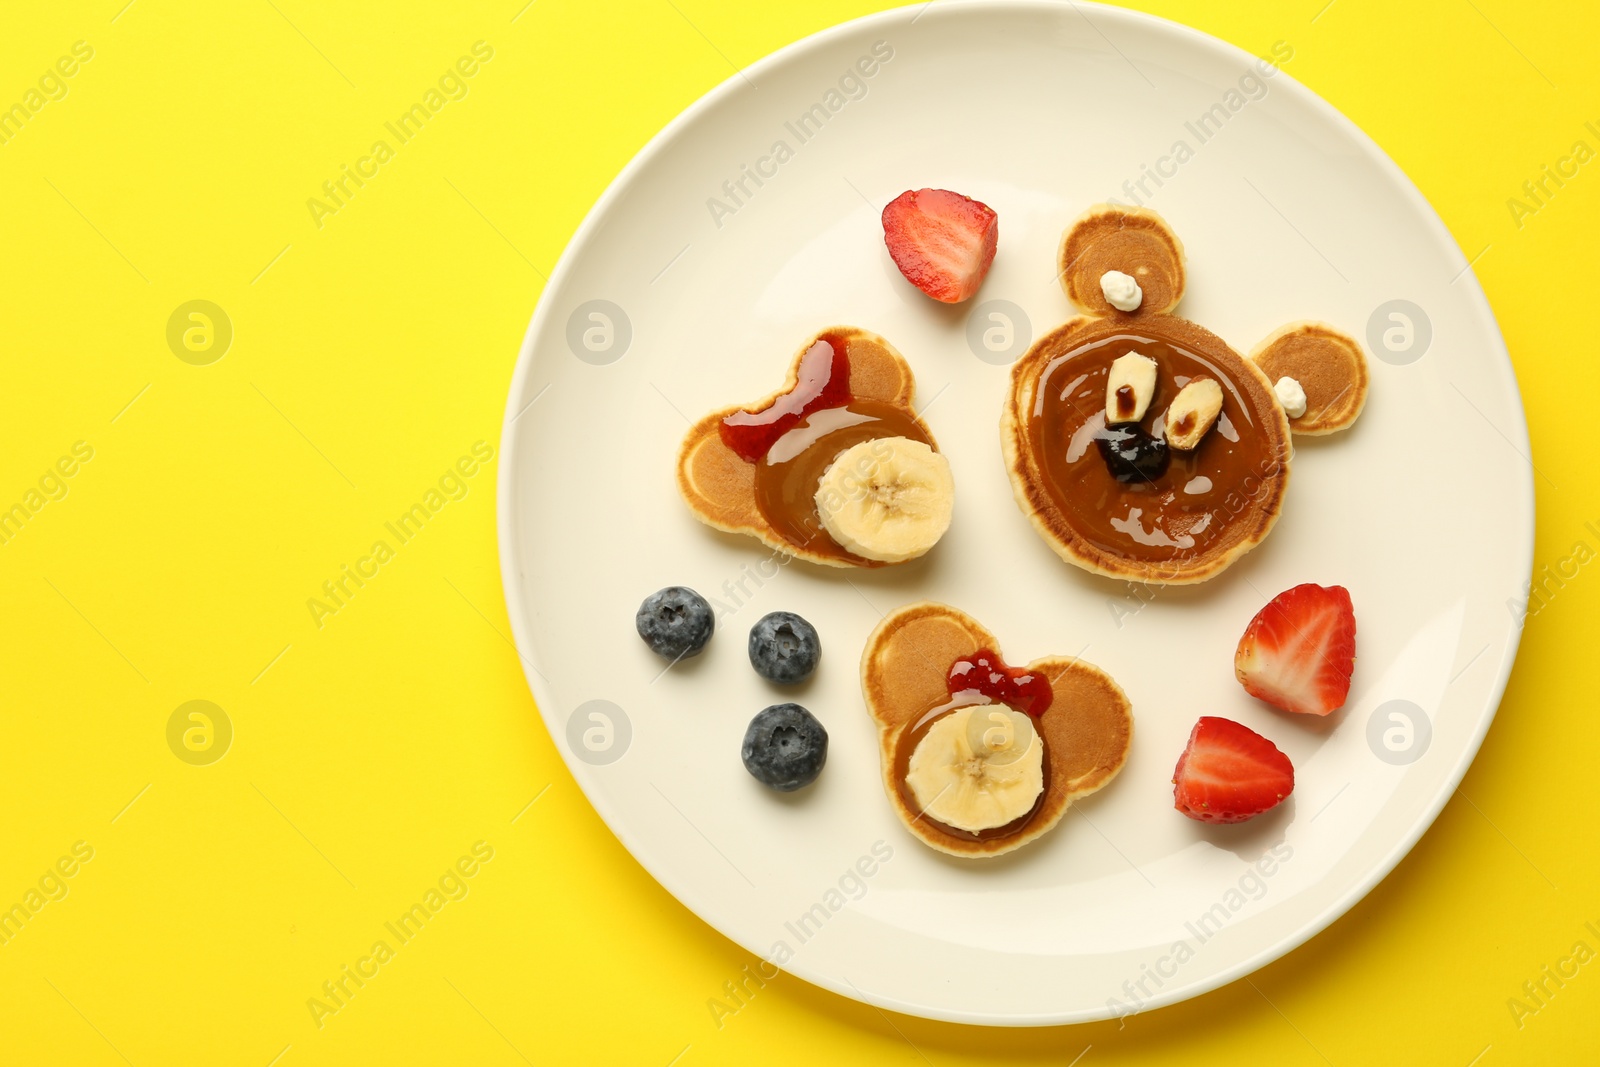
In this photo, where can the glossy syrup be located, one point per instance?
(984, 671)
(793, 440)
(1129, 495)
(822, 381)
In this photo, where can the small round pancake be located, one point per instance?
(1087, 729)
(1329, 365)
(1133, 240)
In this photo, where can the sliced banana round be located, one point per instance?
(888, 499)
(978, 768)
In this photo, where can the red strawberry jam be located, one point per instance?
(984, 671)
(822, 381)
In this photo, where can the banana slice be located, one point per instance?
(888, 499)
(977, 768)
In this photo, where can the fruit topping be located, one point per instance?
(985, 672)
(1229, 773)
(1132, 456)
(676, 622)
(1193, 412)
(822, 380)
(1130, 385)
(978, 768)
(784, 648)
(942, 242)
(1299, 651)
(887, 499)
(785, 747)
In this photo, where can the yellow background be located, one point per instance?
(373, 752)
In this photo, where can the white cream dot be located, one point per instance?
(1291, 396)
(1121, 290)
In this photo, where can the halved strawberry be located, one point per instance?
(1298, 652)
(942, 242)
(1229, 773)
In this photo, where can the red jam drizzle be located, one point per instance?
(985, 672)
(823, 381)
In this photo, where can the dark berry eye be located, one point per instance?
(1132, 456)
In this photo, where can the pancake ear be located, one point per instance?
(1133, 240)
(1329, 365)
(1088, 728)
(719, 486)
(906, 665)
(878, 372)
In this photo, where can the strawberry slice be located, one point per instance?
(1299, 650)
(1229, 773)
(942, 242)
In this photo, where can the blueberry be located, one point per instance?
(784, 648)
(1131, 455)
(785, 747)
(675, 622)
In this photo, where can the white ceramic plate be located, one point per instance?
(1424, 510)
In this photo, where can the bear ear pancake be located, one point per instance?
(877, 371)
(1133, 240)
(719, 485)
(906, 665)
(1329, 365)
(1088, 728)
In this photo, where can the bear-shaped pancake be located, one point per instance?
(1139, 444)
(1068, 716)
(835, 468)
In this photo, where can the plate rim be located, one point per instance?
(1189, 37)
